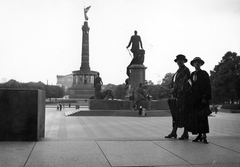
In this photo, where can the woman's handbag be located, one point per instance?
(205, 110)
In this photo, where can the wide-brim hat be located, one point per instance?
(197, 59)
(181, 57)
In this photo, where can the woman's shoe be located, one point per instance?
(183, 137)
(171, 136)
(199, 138)
(204, 139)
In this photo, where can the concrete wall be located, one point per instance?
(22, 114)
(126, 105)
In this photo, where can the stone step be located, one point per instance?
(123, 113)
(67, 113)
(85, 108)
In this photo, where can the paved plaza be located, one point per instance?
(116, 141)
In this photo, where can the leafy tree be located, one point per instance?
(237, 87)
(11, 84)
(165, 86)
(110, 87)
(119, 91)
(53, 91)
(149, 82)
(153, 90)
(224, 78)
(166, 81)
(160, 90)
(163, 92)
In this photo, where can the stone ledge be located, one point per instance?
(127, 105)
(121, 113)
(235, 111)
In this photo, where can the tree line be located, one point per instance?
(52, 91)
(225, 79)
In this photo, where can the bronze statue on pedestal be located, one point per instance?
(138, 54)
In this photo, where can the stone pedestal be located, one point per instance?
(22, 114)
(137, 75)
(82, 91)
(83, 84)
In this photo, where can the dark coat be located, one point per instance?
(201, 94)
(182, 88)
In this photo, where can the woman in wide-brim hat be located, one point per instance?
(181, 57)
(197, 59)
(201, 94)
(180, 89)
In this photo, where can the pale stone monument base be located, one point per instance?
(83, 84)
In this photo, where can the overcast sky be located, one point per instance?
(40, 39)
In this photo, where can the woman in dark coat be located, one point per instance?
(180, 90)
(201, 93)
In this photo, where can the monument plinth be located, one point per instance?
(137, 75)
(83, 79)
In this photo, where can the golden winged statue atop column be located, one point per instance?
(85, 12)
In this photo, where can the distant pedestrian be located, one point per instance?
(60, 106)
(69, 105)
(201, 91)
(180, 90)
(216, 109)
